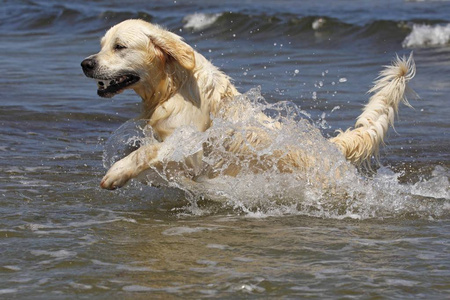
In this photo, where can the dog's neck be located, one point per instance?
(154, 96)
(204, 81)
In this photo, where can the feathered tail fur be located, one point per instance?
(362, 142)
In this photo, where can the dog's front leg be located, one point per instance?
(130, 166)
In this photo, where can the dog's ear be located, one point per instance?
(173, 46)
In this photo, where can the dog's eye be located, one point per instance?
(119, 47)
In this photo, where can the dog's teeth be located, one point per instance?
(121, 79)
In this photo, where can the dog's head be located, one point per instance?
(137, 55)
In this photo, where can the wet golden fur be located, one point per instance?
(180, 87)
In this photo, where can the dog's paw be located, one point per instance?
(118, 175)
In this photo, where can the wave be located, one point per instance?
(49, 18)
(232, 24)
(62, 18)
(311, 29)
(428, 35)
(332, 188)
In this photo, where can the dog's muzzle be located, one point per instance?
(108, 86)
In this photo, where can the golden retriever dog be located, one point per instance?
(179, 87)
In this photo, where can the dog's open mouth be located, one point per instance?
(110, 87)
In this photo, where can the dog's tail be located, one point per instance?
(362, 142)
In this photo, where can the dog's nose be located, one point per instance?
(88, 66)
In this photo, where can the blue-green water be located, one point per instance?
(62, 237)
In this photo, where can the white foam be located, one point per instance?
(207, 262)
(402, 282)
(427, 35)
(243, 259)
(59, 254)
(7, 291)
(250, 288)
(140, 288)
(137, 288)
(61, 232)
(12, 268)
(33, 183)
(26, 170)
(95, 222)
(136, 269)
(34, 226)
(200, 21)
(218, 246)
(184, 230)
(80, 286)
(58, 228)
(318, 23)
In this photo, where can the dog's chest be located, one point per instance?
(177, 112)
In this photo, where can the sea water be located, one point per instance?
(256, 235)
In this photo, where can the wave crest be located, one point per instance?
(200, 21)
(428, 35)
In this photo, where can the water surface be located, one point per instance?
(64, 237)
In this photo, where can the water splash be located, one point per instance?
(329, 187)
(127, 138)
